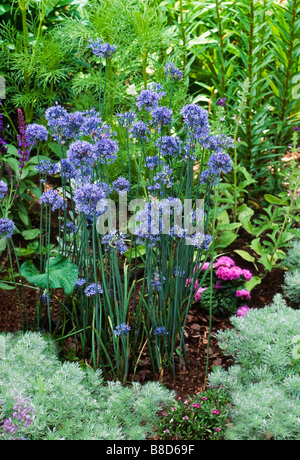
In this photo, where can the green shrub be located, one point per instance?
(264, 382)
(70, 403)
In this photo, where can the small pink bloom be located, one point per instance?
(218, 429)
(243, 293)
(218, 285)
(215, 412)
(224, 261)
(242, 311)
(199, 293)
(247, 274)
(166, 431)
(196, 285)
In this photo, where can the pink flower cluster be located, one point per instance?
(199, 293)
(243, 293)
(242, 311)
(232, 273)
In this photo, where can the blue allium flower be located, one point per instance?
(45, 298)
(125, 120)
(55, 112)
(219, 142)
(103, 50)
(163, 178)
(172, 71)
(170, 145)
(58, 119)
(7, 228)
(162, 116)
(200, 241)
(3, 189)
(81, 152)
(196, 121)
(122, 329)
(36, 133)
(148, 99)
(156, 87)
(93, 289)
(67, 169)
(210, 176)
(153, 162)
(53, 198)
(87, 197)
(160, 331)
(157, 280)
(114, 241)
(106, 150)
(91, 123)
(47, 168)
(80, 282)
(140, 130)
(220, 162)
(70, 228)
(121, 185)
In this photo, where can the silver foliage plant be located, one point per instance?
(264, 381)
(71, 403)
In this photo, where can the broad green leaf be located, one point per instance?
(256, 246)
(255, 280)
(30, 234)
(140, 251)
(225, 240)
(272, 199)
(62, 274)
(245, 255)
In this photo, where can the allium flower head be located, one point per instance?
(53, 198)
(80, 282)
(102, 50)
(81, 152)
(170, 146)
(196, 120)
(114, 241)
(121, 185)
(93, 289)
(153, 162)
(106, 150)
(210, 177)
(3, 189)
(148, 99)
(47, 168)
(157, 280)
(172, 72)
(87, 197)
(162, 116)
(125, 120)
(122, 329)
(69, 228)
(7, 228)
(220, 162)
(36, 133)
(140, 130)
(160, 331)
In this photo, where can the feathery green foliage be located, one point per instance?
(71, 403)
(264, 382)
